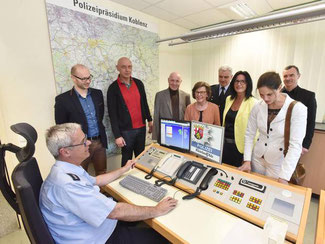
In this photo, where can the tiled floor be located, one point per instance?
(20, 237)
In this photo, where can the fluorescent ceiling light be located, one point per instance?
(297, 15)
(243, 10)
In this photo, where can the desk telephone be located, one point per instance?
(173, 166)
(189, 171)
(168, 165)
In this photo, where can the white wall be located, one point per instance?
(258, 52)
(27, 85)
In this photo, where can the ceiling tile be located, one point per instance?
(259, 6)
(217, 3)
(135, 4)
(185, 23)
(160, 13)
(184, 7)
(207, 17)
(276, 4)
(198, 13)
(152, 1)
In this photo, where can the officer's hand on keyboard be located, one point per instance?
(166, 205)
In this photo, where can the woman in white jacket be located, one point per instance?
(268, 118)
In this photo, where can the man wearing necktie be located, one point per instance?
(220, 91)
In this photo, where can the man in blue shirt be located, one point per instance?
(85, 106)
(69, 191)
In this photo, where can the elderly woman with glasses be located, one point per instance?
(202, 110)
(235, 117)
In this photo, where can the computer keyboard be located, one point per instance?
(143, 188)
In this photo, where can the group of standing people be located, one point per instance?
(127, 108)
(254, 130)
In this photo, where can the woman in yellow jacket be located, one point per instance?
(235, 117)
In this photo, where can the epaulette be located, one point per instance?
(74, 177)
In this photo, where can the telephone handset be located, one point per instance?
(207, 179)
(154, 169)
(203, 185)
(181, 170)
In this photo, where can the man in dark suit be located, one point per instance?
(220, 92)
(85, 106)
(291, 76)
(170, 103)
(128, 111)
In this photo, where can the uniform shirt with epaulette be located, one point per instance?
(73, 208)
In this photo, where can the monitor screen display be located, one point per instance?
(207, 141)
(175, 134)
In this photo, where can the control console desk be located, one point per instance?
(249, 196)
(194, 221)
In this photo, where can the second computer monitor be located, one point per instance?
(207, 141)
(175, 134)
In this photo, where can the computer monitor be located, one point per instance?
(175, 134)
(207, 141)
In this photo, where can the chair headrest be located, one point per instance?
(30, 134)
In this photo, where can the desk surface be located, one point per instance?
(192, 221)
(320, 231)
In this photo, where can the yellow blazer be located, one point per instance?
(241, 120)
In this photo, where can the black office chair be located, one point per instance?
(27, 181)
(22, 154)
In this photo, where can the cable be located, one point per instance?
(161, 181)
(188, 189)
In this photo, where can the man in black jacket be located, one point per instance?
(85, 106)
(220, 92)
(128, 111)
(291, 75)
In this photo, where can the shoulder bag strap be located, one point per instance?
(287, 127)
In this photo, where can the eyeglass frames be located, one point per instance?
(84, 78)
(84, 142)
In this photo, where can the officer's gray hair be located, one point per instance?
(60, 136)
(225, 68)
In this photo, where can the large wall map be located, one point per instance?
(78, 37)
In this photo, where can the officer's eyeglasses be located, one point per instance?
(84, 142)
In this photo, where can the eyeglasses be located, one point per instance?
(84, 142)
(242, 82)
(200, 92)
(85, 78)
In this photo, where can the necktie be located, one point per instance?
(222, 94)
(222, 91)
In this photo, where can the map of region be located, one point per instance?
(98, 43)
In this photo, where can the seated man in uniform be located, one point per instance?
(72, 206)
